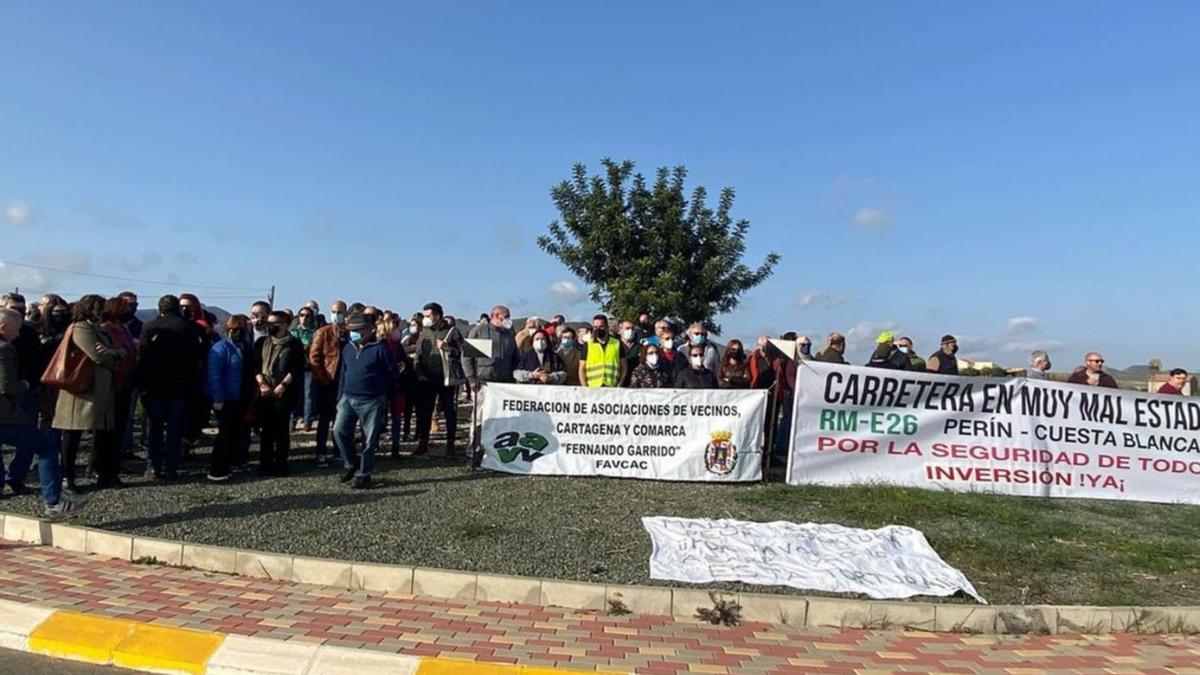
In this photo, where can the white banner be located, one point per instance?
(1009, 435)
(891, 562)
(663, 434)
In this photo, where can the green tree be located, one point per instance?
(650, 248)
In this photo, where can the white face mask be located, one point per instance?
(506, 324)
(668, 343)
(627, 335)
(427, 322)
(539, 345)
(652, 360)
(697, 361)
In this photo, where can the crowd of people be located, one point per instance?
(70, 368)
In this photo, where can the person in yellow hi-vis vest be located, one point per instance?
(604, 362)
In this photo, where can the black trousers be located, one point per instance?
(106, 458)
(275, 436)
(71, 439)
(429, 393)
(231, 428)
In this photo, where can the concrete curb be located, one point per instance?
(792, 610)
(155, 648)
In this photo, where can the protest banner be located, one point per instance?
(661, 434)
(1015, 436)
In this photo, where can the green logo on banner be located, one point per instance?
(527, 446)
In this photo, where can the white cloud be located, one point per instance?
(17, 212)
(1020, 324)
(862, 335)
(567, 292)
(815, 298)
(873, 218)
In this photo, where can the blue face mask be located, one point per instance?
(568, 344)
(699, 339)
(356, 336)
(339, 319)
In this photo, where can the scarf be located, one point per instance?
(272, 350)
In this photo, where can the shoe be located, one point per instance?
(422, 448)
(218, 479)
(149, 474)
(17, 488)
(322, 462)
(361, 483)
(348, 475)
(65, 508)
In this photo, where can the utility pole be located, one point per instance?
(271, 298)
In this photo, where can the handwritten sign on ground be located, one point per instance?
(662, 434)
(1007, 435)
(891, 562)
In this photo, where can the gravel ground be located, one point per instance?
(437, 512)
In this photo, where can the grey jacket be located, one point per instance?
(12, 389)
(505, 357)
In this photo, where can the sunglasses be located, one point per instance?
(1095, 360)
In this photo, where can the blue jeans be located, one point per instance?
(18, 468)
(370, 410)
(169, 412)
(310, 399)
(783, 433)
(30, 441)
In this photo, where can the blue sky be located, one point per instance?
(1019, 175)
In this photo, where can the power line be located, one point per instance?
(110, 277)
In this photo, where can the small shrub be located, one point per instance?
(616, 607)
(722, 613)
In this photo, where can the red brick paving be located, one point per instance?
(513, 633)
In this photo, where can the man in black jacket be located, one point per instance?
(168, 369)
(17, 427)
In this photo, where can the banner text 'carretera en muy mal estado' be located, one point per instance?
(1016, 436)
(661, 434)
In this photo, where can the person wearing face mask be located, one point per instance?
(438, 351)
(171, 347)
(368, 380)
(653, 372)
(56, 316)
(279, 373)
(735, 367)
(570, 354)
(94, 410)
(1039, 363)
(645, 324)
(631, 347)
(761, 363)
(258, 321)
(540, 365)
(230, 384)
(505, 357)
(198, 405)
(603, 363)
(804, 348)
(388, 334)
(696, 375)
(915, 363)
(304, 330)
(944, 361)
(697, 336)
(324, 359)
(106, 456)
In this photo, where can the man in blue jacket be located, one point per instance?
(368, 378)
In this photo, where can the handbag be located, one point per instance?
(70, 370)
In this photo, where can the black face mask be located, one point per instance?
(600, 333)
(60, 320)
(188, 312)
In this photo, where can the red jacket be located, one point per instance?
(1169, 388)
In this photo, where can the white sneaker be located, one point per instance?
(65, 508)
(218, 479)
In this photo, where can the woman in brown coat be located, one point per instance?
(96, 409)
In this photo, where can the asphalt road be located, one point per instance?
(28, 664)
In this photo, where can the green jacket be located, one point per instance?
(429, 362)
